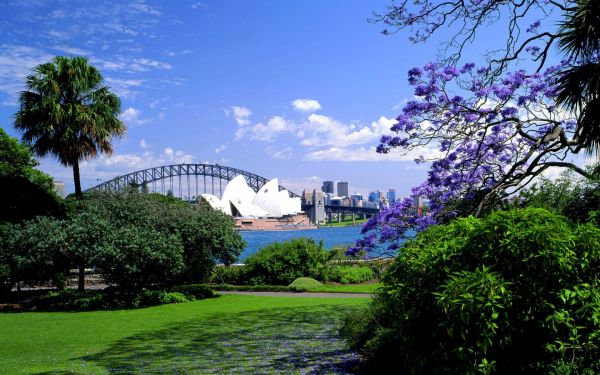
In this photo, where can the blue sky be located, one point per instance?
(301, 91)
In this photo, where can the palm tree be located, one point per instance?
(67, 112)
(579, 85)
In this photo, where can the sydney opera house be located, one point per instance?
(267, 209)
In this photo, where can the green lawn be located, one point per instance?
(350, 288)
(228, 334)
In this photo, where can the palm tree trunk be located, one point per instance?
(77, 179)
(81, 280)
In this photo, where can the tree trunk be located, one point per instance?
(81, 281)
(77, 179)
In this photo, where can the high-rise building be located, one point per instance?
(327, 187)
(374, 196)
(59, 188)
(342, 188)
(391, 195)
(355, 199)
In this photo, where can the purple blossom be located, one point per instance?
(476, 154)
(534, 26)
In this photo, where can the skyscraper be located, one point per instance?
(327, 187)
(391, 195)
(342, 188)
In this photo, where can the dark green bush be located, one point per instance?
(516, 292)
(232, 274)
(281, 262)
(161, 297)
(350, 274)
(197, 291)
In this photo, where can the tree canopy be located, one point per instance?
(67, 112)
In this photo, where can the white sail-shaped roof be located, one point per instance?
(291, 206)
(241, 196)
(216, 203)
(268, 199)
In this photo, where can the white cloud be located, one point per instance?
(268, 131)
(199, 5)
(144, 144)
(131, 117)
(306, 105)
(142, 7)
(283, 154)
(241, 115)
(123, 87)
(220, 149)
(296, 185)
(369, 154)
(321, 130)
(16, 62)
(71, 50)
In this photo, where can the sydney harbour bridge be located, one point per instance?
(188, 181)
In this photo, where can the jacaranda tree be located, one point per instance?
(494, 130)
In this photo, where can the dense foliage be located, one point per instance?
(134, 240)
(515, 292)
(203, 235)
(30, 190)
(281, 262)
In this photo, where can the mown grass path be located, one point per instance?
(228, 334)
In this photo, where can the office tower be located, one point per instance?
(327, 187)
(342, 189)
(391, 195)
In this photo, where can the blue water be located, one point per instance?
(342, 236)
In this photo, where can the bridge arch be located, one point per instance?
(172, 175)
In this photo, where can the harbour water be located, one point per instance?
(331, 236)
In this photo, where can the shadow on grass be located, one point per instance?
(289, 340)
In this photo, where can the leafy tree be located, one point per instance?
(28, 191)
(141, 257)
(34, 252)
(89, 236)
(493, 132)
(514, 292)
(68, 113)
(207, 235)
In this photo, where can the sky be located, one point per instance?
(298, 90)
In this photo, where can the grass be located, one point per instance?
(228, 334)
(351, 288)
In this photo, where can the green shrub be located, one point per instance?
(516, 292)
(303, 284)
(161, 297)
(350, 274)
(70, 300)
(223, 274)
(197, 291)
(281, 262)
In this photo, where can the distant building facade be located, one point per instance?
(59, 188)
(328, 187)
(391, 196)
(342, 189)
